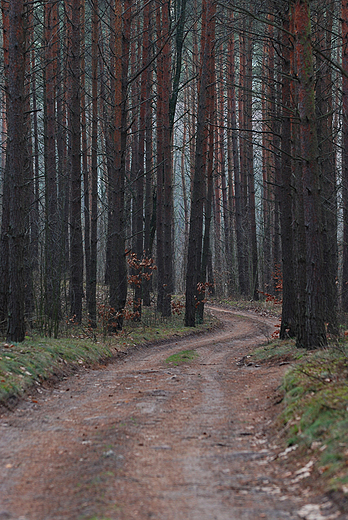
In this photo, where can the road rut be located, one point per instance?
(141, 439)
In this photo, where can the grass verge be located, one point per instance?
(27, 364)
(315, 414)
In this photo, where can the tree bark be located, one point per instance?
(92, 281)
(327, 171)
(288, 322)
(18, 205)
(345, 154)
(314, 328)
(194, 254)
(52, 246)
(5, 220)
(76, 246)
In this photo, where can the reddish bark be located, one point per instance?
(160, 172)
(116, 228)
(314, 334)
(208, 152)
(147, 82)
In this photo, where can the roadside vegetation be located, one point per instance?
(38, 358)
(313, 423)
(314, 419)
(315, 416)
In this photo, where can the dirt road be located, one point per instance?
(140, 439)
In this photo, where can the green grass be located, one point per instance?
(33, 360)
(316, 411)
(36, 359)
(278, 351)
(315, 398)
(185, 356)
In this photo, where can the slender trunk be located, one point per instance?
(84, 153)
(5, 220)
(17, 171)
(194, 256)
(242, 217)
(314, 330)
(235, 195)
(52, 246)
(208, 153)
(92, 281)
(147, 82)
(288, 321)
(117, 259)
(250, 170)
(327, 173)
(160, 166)
(76, 247)
(345, 154)
(168, 204)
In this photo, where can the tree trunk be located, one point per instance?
(194, 255)
(5, 220)
(250, 169)
(345, 154)
(18, 206)
(288, 321)
(314, 329)
(76, 247)
(92, 281)
(235, 195)
(147, 82)
(117, 262)
(241, 190)
(327, 172)
(160, 166)
(52, 246)
(168, 204)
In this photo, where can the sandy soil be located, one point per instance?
(141, 439)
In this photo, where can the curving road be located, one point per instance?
(141, 439)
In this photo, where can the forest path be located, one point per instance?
(141, 439)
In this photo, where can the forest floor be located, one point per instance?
(142, 438)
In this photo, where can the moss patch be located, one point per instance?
(185, 356)
(316, 411)
(278, 351)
